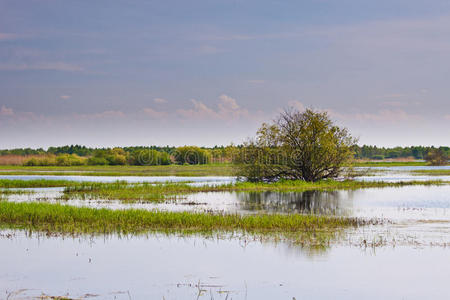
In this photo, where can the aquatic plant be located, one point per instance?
(66, 219)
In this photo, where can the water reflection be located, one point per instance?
(169, 267)
(310, 202)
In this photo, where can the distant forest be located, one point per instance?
(361, 152)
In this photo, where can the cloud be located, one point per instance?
(5, 111)
(108, 114)
(155, 114)
(50, 66)
(7, 36)
(208, 49)
(394, 95)
(65, 97)
(297, 105)
(159, 100)
(227, 109)
(381, 116)
(200, 110)
(256, 81)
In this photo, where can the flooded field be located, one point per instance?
(160, 267)
(404, 257)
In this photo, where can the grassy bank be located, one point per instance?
(432, 172)
(224, 169)
(65, 219)
(125, 191)
(35, 183)
(160, 192)
(14, 192)
(389, 164)
(169, 170)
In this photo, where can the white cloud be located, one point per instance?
(227, 109)
(108, 114)
(51, 66)
(208, 49)
(200, 110)
(381, 116)
(155, 114)
(5, 111)
(159, 100)
(256, 81)
(7, 36)
(394, 95)
(297, 105)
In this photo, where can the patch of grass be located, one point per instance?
(66, 219)
(34, 183)
(128, 192)
(160, 192)
(14, 192)
(223, 169)
(389, 164)
(432, 172)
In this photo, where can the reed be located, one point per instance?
(160, 192)
(66, 219)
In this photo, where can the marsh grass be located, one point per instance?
(124, 191)
(66, 219)
(34, 183)
(7, 192)
(220, 169)
(441, 172)
(389, 163)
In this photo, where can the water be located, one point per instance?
(160, 267)
(410, 261)
(391, 174)
(132, 179)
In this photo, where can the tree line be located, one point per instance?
(223, 152)
(164, 155)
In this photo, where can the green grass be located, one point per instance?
(122, 190)
(389, 164)
(219, 169)
(169, 170)
(432, 172)
(65, 219)
(14, 192)
(160, 192)
(34, 183)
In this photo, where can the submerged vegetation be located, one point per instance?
(160, 192)
(441, 172)
(165, 170)
(65, 219)
(126, 191)
(34, 183)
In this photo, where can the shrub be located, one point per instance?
(148, 157)
(298, 145)
(191, 155)
(69, 160)
(437, 157)
(378, 157)
(42, 161)
(97, 161)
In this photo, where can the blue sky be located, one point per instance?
(105, 73)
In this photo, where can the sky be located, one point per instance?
(209, 72)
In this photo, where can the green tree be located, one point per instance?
(298, 145)
(437, 157)
(191, 155)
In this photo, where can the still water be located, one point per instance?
(410, 262)
(161, 267)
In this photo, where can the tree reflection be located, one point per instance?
(309, 202)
